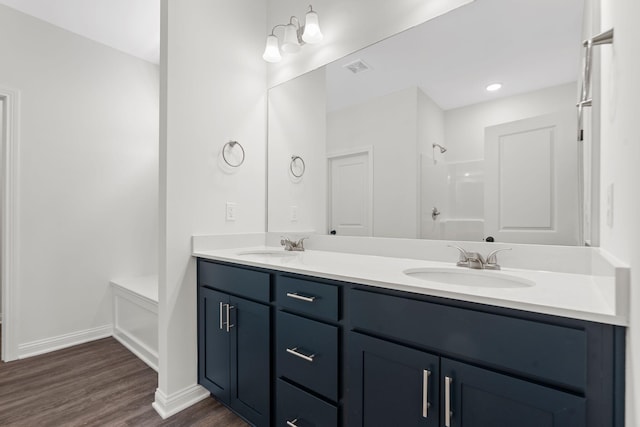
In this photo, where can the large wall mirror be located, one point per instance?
(403, 139)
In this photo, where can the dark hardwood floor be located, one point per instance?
(99, 383)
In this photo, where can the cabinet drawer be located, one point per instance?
(307, 353)
(234, 280)
(555, 354)
(304, 296)
(300, 408)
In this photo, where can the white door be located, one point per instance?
(531, 190)
(351, 194)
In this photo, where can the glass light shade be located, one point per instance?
(312, 33)
(290, 43)
(272, 50)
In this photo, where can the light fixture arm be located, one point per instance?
(296, 35)
(299, 29)
(273, 30)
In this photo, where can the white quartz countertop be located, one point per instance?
(578, 296)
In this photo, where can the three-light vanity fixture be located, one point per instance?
(295, 35)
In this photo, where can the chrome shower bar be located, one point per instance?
(602, 38)
(585, 94)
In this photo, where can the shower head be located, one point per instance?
(442, 149)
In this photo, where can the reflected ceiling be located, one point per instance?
(481, 46)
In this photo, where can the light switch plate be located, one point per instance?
(231, 211)
(294, 213)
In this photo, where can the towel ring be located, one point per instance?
(230, 145)
(294, 160)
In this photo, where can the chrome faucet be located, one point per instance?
(292, 245)
(476, 261)
(492, 259)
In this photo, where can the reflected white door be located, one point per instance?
(351, 194)
(531, 190)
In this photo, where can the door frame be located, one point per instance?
(9, 206)
(368, 150)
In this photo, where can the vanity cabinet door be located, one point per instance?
(250, 360)
(213, 343)
(481, 398)
(234, 353)
(391, 385)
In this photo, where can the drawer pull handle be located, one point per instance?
(221, 315)
(447, 401)
(229, 308)
(425, 393)
(295, 352)
(292, 423)
(295, 295)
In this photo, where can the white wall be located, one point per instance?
(88, 174)
(389, 125)
(620, 145)
(464, 127)
(297, 126)
(430, 125)
(211, 91)
(347, 27)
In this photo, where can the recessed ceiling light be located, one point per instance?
(494, 86)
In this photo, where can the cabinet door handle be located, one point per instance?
(221, 315)
(447, 401)
(425, 393)
(292, 423)
(229, 308)
(297, 296)
(296, 352)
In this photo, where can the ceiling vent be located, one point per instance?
(357, 66)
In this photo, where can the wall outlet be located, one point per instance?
(231, 211)
(610, 205)
(294, 213)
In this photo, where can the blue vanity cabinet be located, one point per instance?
(469, 365)
(308, 351)
(234, 341)
(392, 385)
(214, 343)
(287, 349)
(478, 397)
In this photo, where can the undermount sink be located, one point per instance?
(467, 277)
(268, 253)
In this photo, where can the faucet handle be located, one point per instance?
(300, 243)
(463, 261)
(286, 242)
(492, 259)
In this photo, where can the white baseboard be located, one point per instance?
(47, 345)
(138, 348)
(167, 406)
